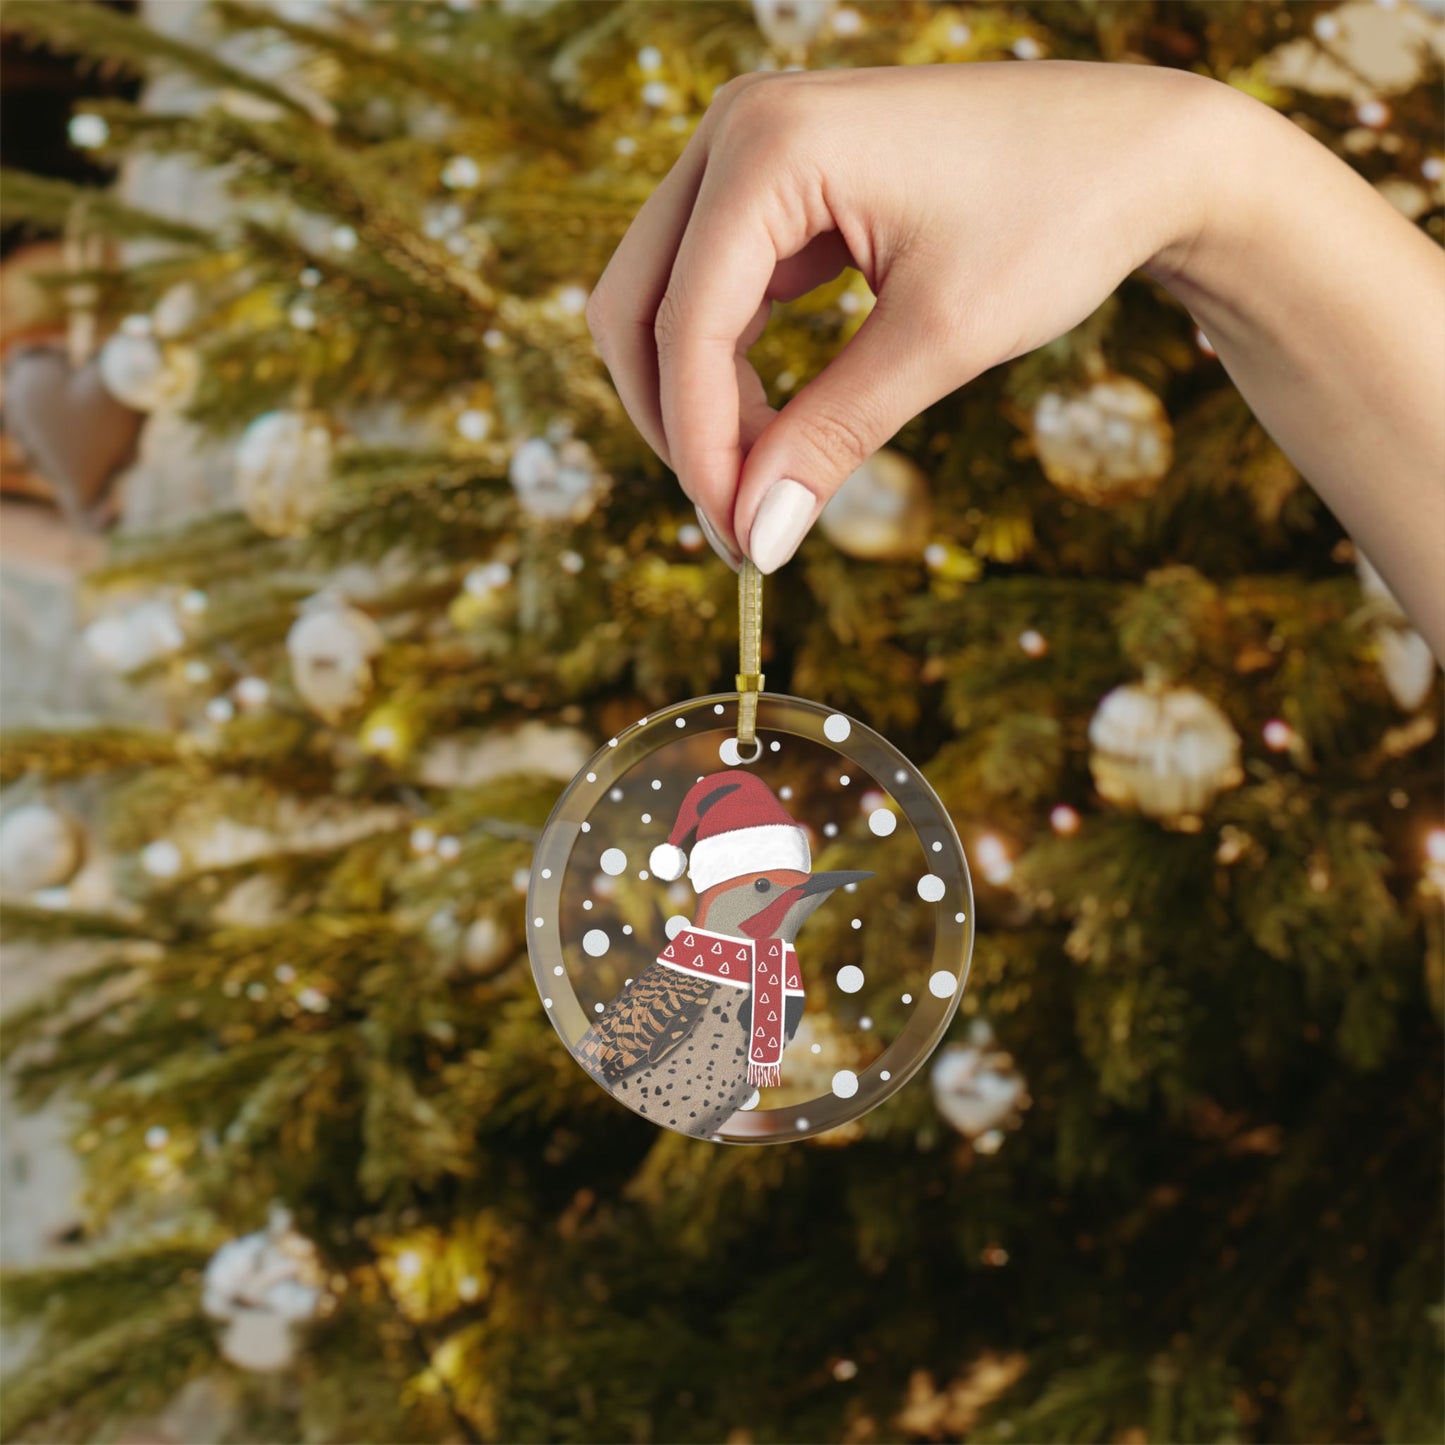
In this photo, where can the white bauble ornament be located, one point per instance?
(1107, 443)
(258, 1341)
(261, 1286)
(136, 636)
(176, 312)
(881, 512)
(40, 847)
(976, 1086)
(331, 647)
(1406, 661)
(792, 25)
(1165, 751)
(555, 481)
(140, 372)
(283, 470)
(486, 946)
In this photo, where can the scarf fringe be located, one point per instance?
(765, 1076)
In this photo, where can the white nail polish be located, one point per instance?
(716, 542)
(783, 519)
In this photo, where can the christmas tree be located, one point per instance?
(1175, 1176)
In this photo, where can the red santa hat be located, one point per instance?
(741, 828)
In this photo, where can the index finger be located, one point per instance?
(719, 285)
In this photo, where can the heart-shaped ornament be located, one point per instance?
(77, 435)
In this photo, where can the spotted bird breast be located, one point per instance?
(674, 1048)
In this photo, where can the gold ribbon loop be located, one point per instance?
(750, 652)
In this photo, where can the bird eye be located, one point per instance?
(762, 885)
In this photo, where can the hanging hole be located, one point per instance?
(757, 751)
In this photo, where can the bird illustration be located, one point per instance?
(687, 1041)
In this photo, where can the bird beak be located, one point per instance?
(827, 882)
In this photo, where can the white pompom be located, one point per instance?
(668, 862)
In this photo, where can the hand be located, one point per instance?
(990, 208)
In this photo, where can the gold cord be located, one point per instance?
(750, 653)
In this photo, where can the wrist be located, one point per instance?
(1220, 144)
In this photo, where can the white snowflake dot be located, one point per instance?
(881, 822)
(656, 785)
(850, 978)
(615, 794)
(728, 752)
(885, 1076)
(900, 776)
(817, 1048)
(800, 1124)
(627, 928)
(836, 728)
(943, 984)
(680, 723)
(908, 998)
(614, 861)
(865, 1023)
(546, 873)
(717, 707)
(595, 943)
(597, 1008)
(857, 923)
(785, 793)
(752, 1101)
(845, 1083)
(536, 923)
(642, 874)
(587, 904)
(958, 917)
(830, 830)
(930, 888)
(546, 1003)
(674, 925)
(775, 746)
(844, 780)
(647, 817)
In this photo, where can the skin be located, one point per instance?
(991, 208)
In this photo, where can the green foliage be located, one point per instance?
(1220, 1218)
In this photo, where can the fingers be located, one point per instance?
(719, 283)
(624, 302)
(902, 360)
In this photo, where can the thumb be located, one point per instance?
(901, 360)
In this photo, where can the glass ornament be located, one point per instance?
(750, 942)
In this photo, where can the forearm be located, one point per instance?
(1327, 309)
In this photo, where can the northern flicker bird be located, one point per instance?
(688, 1040)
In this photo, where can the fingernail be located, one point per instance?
(781, 524)
(716, 542)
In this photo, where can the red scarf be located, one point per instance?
(768, 967)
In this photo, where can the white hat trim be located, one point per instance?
(759, 849)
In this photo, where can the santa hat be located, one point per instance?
(741, 828)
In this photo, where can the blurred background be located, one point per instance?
(329, 556)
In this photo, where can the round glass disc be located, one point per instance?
(750, 946)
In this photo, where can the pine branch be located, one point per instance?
(82, 752)
(51, 204)
(523, 111)
(116, 40)
(126, 1368)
